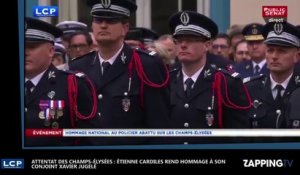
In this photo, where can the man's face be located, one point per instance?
(108, 31)
(220, 47)
(256, 50)
(241, 53)
(78, 46)
(191, 49)
(38, 57)
(281, 59)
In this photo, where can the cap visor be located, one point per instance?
(180, 33)
(34, 40)
(279, 43)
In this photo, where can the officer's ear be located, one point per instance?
(207, 45)
(51, 50)
(125, 29)
(296, 55)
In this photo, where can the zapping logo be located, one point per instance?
(284, 163)
(12, 163)
(45, 11)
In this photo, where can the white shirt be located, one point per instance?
(35, 80)
(260, 65)
(112, 59)
(194, 77)
(283, 84)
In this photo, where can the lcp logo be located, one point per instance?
(45, 11)
(12, 163)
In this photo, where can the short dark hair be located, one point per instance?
(224, 36)
(85, 34)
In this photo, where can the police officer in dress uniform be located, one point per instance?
(197, 89)
(59, 54)
(47, 104)
(131, 84)
(69, 28)
(140, 37)
(270, 93)
(257, 64)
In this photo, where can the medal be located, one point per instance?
(126, 102)
(55, 125)
(47, 117)
(53, 107)
(42, 115)
(59, 113)
(52, 113)
(47, 123)
(60, 108)
(209, 117)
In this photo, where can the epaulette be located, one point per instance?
(230, 73)
(77, 74)
(256, 77)
(82, 56)
(148, 52)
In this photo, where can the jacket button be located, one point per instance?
(186, 125)
(99, 114)
(100, 96)
(186, 105)
(25, 109)
(186, 143)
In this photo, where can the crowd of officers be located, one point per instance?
(118, 77)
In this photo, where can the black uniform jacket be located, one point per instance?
(53, 86)
(111, 88)
(245, 69)
(192, 112)
(265, 113)
(293, 108)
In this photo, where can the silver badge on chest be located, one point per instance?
(126, 102)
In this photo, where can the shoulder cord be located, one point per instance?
(136, 64)
(73, 93)
(217, 89)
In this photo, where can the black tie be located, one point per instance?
(28, 89)
(256, 70)
(278, 98)
(189, 84)
(105, 66)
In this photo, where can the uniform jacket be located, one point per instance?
(292, 108)
(245, 68)
(190, 113)
(53, 86)
(217, 61)
(263, 114)
(111, 88)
